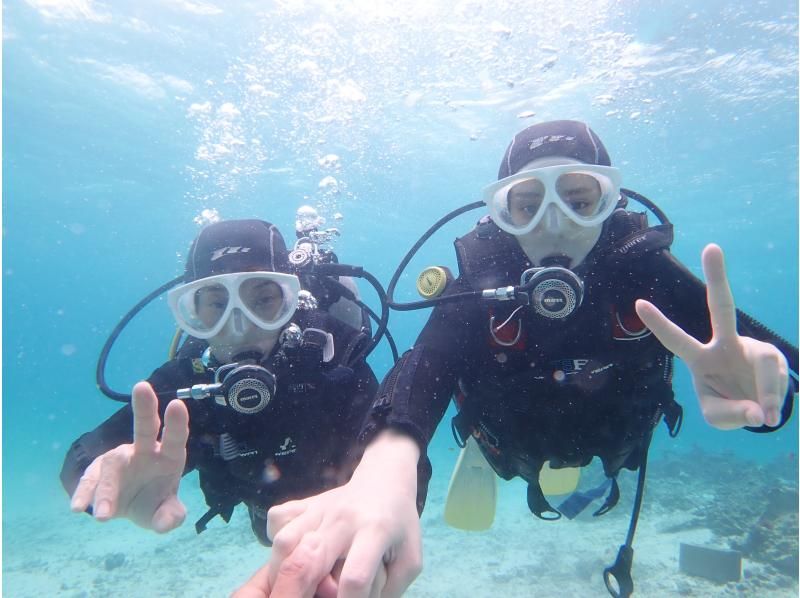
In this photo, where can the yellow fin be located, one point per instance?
(472, 495)
(558, 481)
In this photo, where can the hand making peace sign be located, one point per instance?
(139, 481)
(739, 381)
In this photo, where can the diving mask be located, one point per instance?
(203, 307)
(585, 193)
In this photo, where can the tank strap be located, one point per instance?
(487, 256)
(630, 237)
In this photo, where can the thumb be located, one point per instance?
(727, 414)
(169, 515)
(255, 587)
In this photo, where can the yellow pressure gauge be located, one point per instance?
(432, 281)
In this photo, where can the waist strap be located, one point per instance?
(224, 511)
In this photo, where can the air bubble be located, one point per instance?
(329, 185)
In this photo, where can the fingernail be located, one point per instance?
(754, 419)
(773, 418)
(102, 510)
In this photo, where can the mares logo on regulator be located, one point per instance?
(554, 292)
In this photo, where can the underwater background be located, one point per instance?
(129, 125)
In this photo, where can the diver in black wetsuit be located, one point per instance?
(275, 393)
(552, 344)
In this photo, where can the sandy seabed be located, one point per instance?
(57, 553)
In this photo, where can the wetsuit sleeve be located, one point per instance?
(681, 296)
(358, 398)
(116, 430)
(415, 393)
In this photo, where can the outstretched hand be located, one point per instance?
(360, 540)
(739, 381)
(295, 578)
(139, 481)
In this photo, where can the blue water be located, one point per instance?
(124, 123)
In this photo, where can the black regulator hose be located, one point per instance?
(376, 318)
(413, 305)
(325, 269)
(411, 252)
(383, 322)
(348, 294)
(647, 203)
(100, 374)
(784, 346)
(359, 272)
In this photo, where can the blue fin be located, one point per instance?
(577, 502)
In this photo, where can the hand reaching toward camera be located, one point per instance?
(139, 481)
(361, 540)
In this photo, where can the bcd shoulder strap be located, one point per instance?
(487, 256)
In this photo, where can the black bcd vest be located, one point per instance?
(524, 412)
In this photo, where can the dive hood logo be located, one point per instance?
(218, 253)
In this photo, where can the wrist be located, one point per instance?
(395, 445)
(394, 453)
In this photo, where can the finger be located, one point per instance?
(727, 414)
(720, 299)
(84, 493)
(146, 422)
(379, 583)
(770, 385)
(106, 496)
(361, 566)
(169, 515)
(176, 431)
(285, 541)
(405, 567)
(667, 332)
(327, 588)
(300, 574)
(255, 587)
(279, 516)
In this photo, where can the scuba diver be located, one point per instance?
(273, 389)
(557, 342)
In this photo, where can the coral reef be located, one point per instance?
(749, 507)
